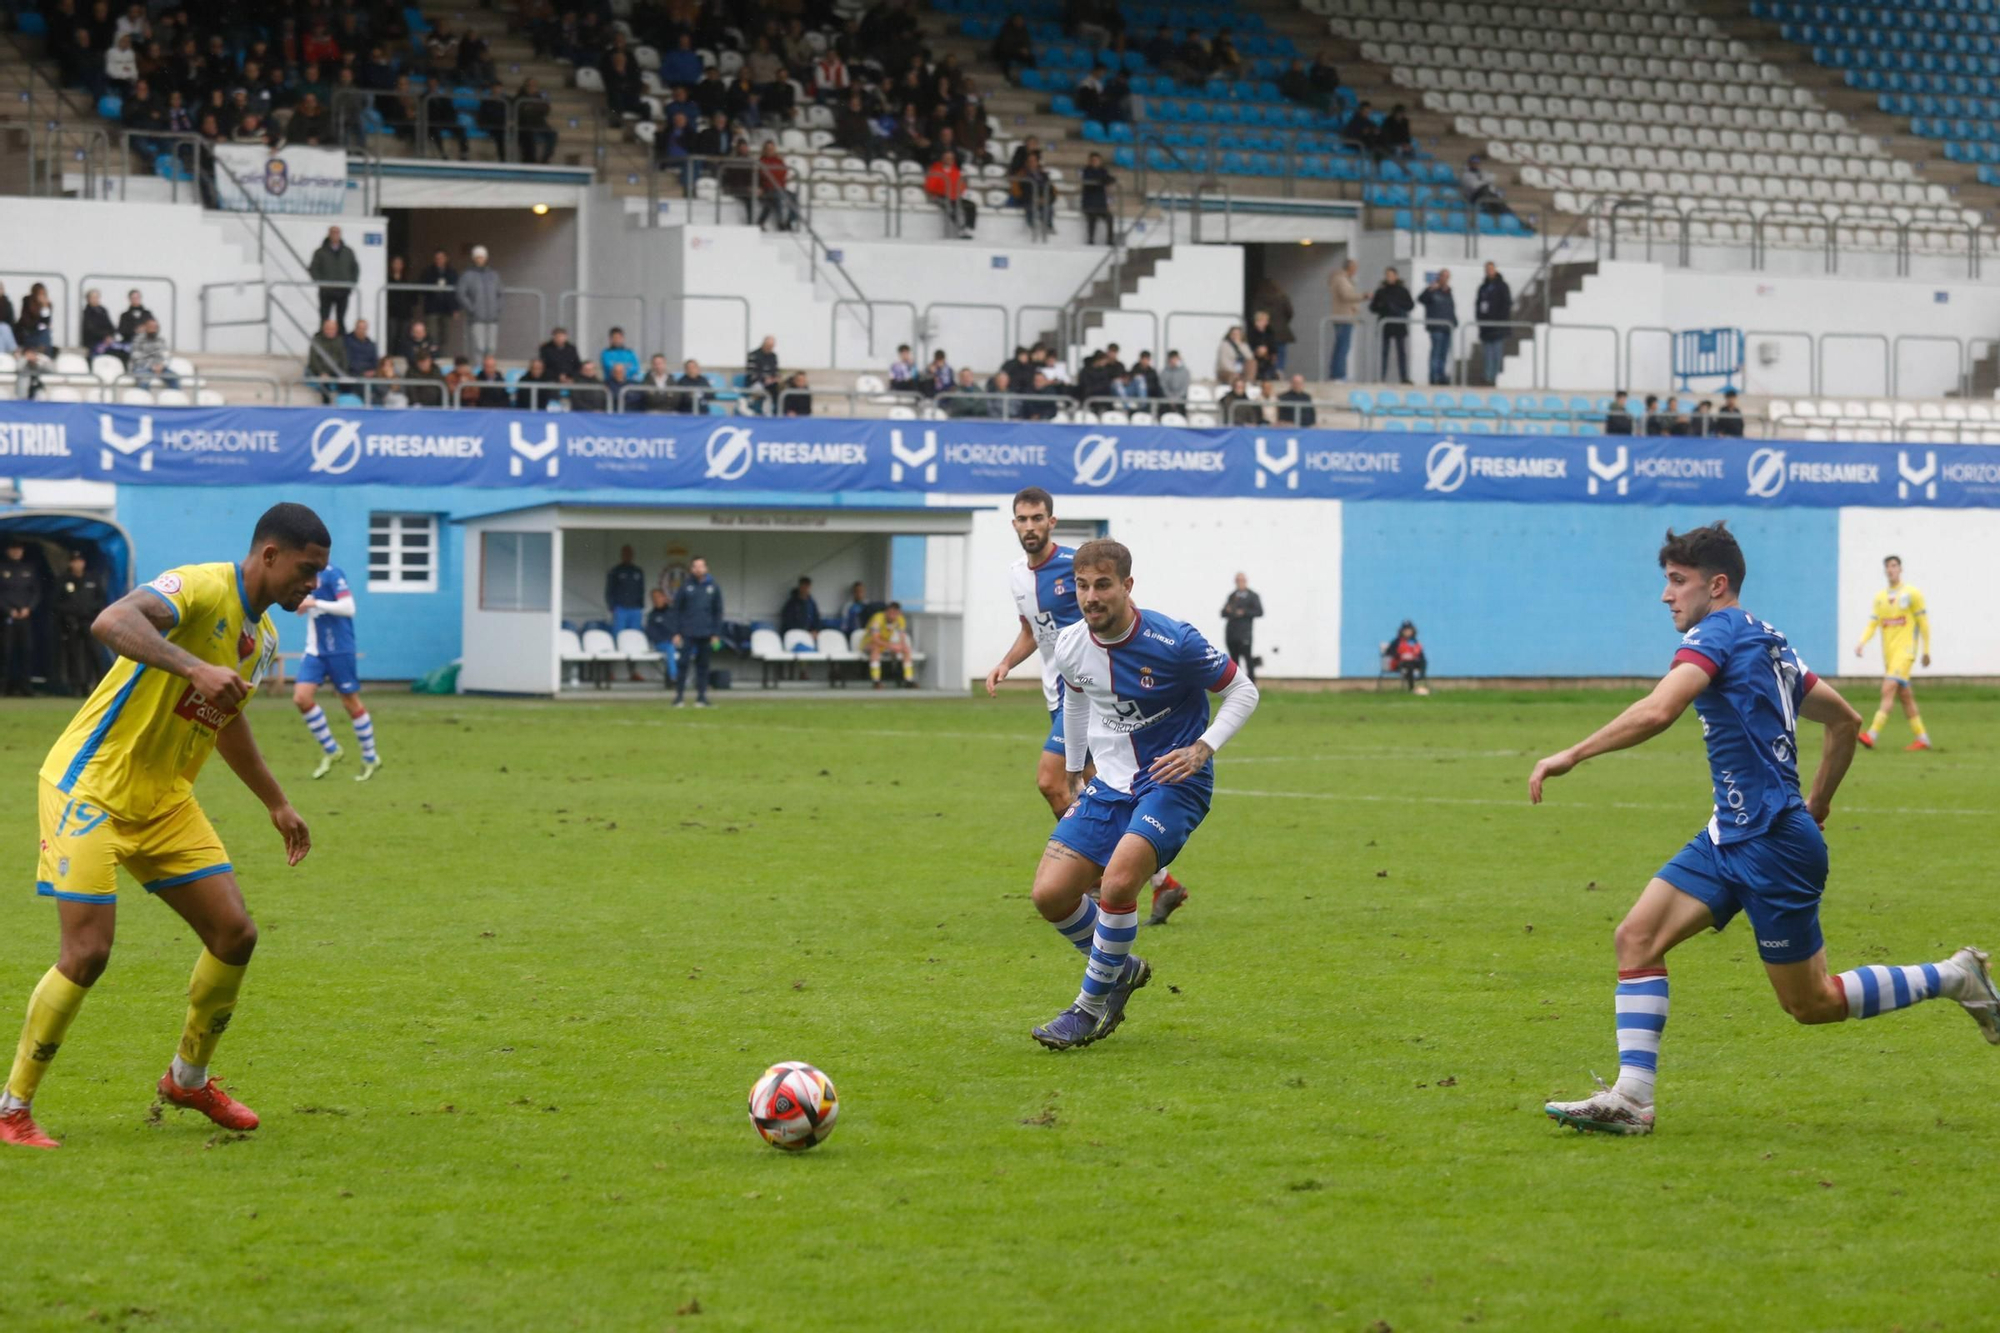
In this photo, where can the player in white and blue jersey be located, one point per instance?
(330, 656)
(1044, 592)
(1763, 852)
(1136, 704)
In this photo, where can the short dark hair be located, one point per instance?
(697, 556)
(292, 526)
(1887, 558)
(893, 606)
(805, 578)
(1033, 495)
(1712, 550)
(1102, 552)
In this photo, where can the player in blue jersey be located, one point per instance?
(1044, 593)
(1763, 852)
(1136, 703)
(330, 656)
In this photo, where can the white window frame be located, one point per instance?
(401, 524)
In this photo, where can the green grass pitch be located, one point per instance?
(503, 1020)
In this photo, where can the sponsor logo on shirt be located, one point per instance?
(196, 708)
(1127, 717)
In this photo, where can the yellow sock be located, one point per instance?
(211, 1001)
(50, 1009)
(1875, 726)
(874, 671)
(1917, 725)
(909, 669)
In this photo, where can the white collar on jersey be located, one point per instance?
(1130, 632)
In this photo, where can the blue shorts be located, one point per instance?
(1775, 879)
(1164, 816)
(319, 668)
(627, 617)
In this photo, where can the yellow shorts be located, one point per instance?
(1899, 666)
(83, 846)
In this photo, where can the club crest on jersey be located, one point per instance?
(1146, 681)
(1059, 587)
(246, 644)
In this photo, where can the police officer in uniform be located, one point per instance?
(20, 593)
(80, 595)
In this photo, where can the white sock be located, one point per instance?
(188, 1077)
(1159, 879)
(9, 1102)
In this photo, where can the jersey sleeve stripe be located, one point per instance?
(1694, 658)
(163, 597)
(1811, 679)
(1221, 682)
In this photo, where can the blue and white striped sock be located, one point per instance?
(1642, 1017)
(1110, 943)
(1881, 990)
(364, 731)
(1080, 926)
(316, 724)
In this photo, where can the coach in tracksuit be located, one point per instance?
(698, 619)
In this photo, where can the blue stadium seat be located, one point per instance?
(1361, 401)
(348, 400)
(1417, 401)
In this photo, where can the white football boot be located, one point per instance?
(1979, 998)
(1609, 1112)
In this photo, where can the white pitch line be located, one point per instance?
(1386, 799)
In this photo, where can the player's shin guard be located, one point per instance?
(1880, 990)
(50, 1010)
(364, 733)
(1080, 926)
(1917, 726)
(1642, 1017)
(909, 670)
(211, 1002)
(317, 725)
(1109, 945)
(875, 672)
(1875, 723)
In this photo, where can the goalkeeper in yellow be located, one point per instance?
(1906, 631)
(118, 789)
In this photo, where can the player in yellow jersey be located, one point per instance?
(1906, 630)
(118, 789)
(889, 636)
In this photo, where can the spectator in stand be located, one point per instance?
(441, 302)
(945, 184)
(1393, 137)
(1494, 307)
(1045, 399)
(326, 360)
(1295, 85)
(1440, 305)
(1481, 189)
(625, 594)
(1098, 97)
(903, 372)
(1701, 422)
(774, 199)
(854, 130)
(1618, 417)
(1656, 421)
(855, 614)
(694, 402)
(1406, 655)
(1264, 367)
(401, 306)
(478, 291)
(121, 66)
(1097, 184)
(34, 331)
(618, 354)
(939, 377)
(431, 391)
(148, 357)
(142, 114)
(1224, 62)
(311, 124)
(1325, 78)
(681, 65)
(99, 334)
(1362, 131)
(1271, 302)
(1013, 47)
(534, 389)
(622, 87)
(1036, 193)
(1233, 356)
(1677, 422)
(760, 364)
(1729, 417)
(1347, 304)
(795, 399)
(711, 94)
(1146, 378)
(536, 141)
(492, 383)
(1192, 62)
(1174, 382)
(800, 611)
(251, 130)
(830, 79)
(336, 269)
(1392, 305)
(590, 393)
(560, 359)
(1295, 406)
(455, 380)
(1237, 407)
(130, 320)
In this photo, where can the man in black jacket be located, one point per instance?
(20, 593)
(1494, 307)
(1618, 420)
(697, 620)
(800, 610)
(1295, 407)
(441, 302)
(1729, 417)
(1393, 302)
(1239, 614)
(761, 363)
(80, 595)
(625, 595)
(560, 359)
(334, 262)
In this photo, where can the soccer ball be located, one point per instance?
(794, 1106)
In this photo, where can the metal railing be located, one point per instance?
(1657, 219)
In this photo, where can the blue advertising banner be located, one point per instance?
(310, 446)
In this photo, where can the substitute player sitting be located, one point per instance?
(1906, 629)
(1762, 853)
(889, 636)
(118, 789)
(1137, 701)
(330, 656)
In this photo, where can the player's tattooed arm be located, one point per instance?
(135, 626)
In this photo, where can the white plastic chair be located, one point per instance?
(107, 368)
(570, 648)
(72, 363)
(172, 398)
(209, 398)
(136, 397)
(632, 646)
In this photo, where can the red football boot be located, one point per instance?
(1167, 898)
(1918, 745)
(210, 1100)
(18, 1127)
(1867, 739)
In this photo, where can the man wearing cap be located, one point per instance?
(479, 296)
(80, 595)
